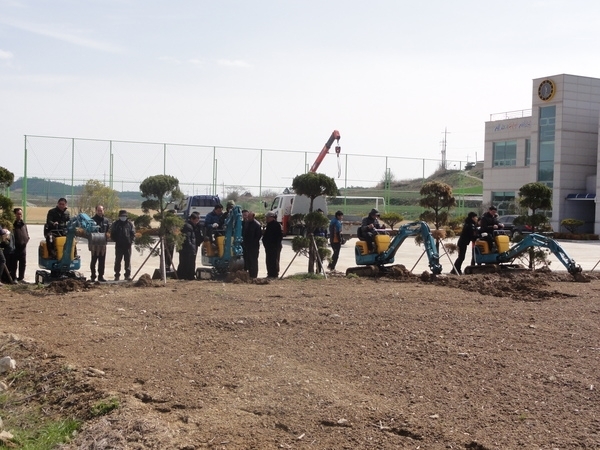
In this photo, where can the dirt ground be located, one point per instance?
(475, 362)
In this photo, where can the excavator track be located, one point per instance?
(363, 271)
(494, 268)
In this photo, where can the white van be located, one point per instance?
(286, 205)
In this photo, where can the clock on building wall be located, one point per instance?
(546, 90)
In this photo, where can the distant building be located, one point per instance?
(556, 143)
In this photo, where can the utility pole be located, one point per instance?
(444, 142)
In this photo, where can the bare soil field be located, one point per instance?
(475, 362)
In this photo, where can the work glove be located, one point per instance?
(215, 225)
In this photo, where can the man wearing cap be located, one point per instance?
(122, 233)
(335, 238)
(488, 223)
(187, 255)
(97, 245)
(369, 227)
(272, 239)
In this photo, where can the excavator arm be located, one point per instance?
(335, 136)
(538, 240)
(415, 229)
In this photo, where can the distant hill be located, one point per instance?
(42, 192)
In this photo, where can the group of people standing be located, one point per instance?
(121, 232)
(252, 235)
(13, 250)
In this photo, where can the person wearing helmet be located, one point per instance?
(369, 227)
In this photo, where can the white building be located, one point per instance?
(556, 142)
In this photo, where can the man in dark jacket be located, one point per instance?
(186, 270)
(272, 241)
(18, 258)
(122, 233)
(97, 244)
(212, 222)
(251, 234)
(56, 225)
(488, 223)
(467, 236)
(369, 227)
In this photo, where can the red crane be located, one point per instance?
(335, 136)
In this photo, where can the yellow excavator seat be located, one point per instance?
(502, 244)
(382, 242)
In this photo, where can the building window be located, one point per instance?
(505, 153)
(547, 130)
(527, 152)
(505, 202)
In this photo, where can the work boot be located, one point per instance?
(117, 277)
(93, 278)
(101, 279)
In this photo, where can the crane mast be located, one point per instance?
(335, 136)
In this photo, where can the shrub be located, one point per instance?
(572, 224)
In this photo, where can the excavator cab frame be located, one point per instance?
(376, 263)
(228, 255)
(503, 255)
(67, 263)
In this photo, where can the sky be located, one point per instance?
(391, 75)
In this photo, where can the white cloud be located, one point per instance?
(195, 61)
(5, 55)
(233, 63)
(71, 38)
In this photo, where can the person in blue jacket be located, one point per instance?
(335, 238)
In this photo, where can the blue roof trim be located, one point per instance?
(581, 196)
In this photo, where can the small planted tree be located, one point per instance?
(7, 216)
(438, 199)
(313, 185)
(160, 190)
(535, 196)
(96, 193)
(392, 219)
(572, 225)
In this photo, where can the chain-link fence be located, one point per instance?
(56, 166)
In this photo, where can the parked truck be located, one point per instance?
(286, 206)
(202, 204)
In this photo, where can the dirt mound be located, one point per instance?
(523, 286)
(144, 281)
(70, 285)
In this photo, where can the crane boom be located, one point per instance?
(335, 136)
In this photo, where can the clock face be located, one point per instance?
(546, 90)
